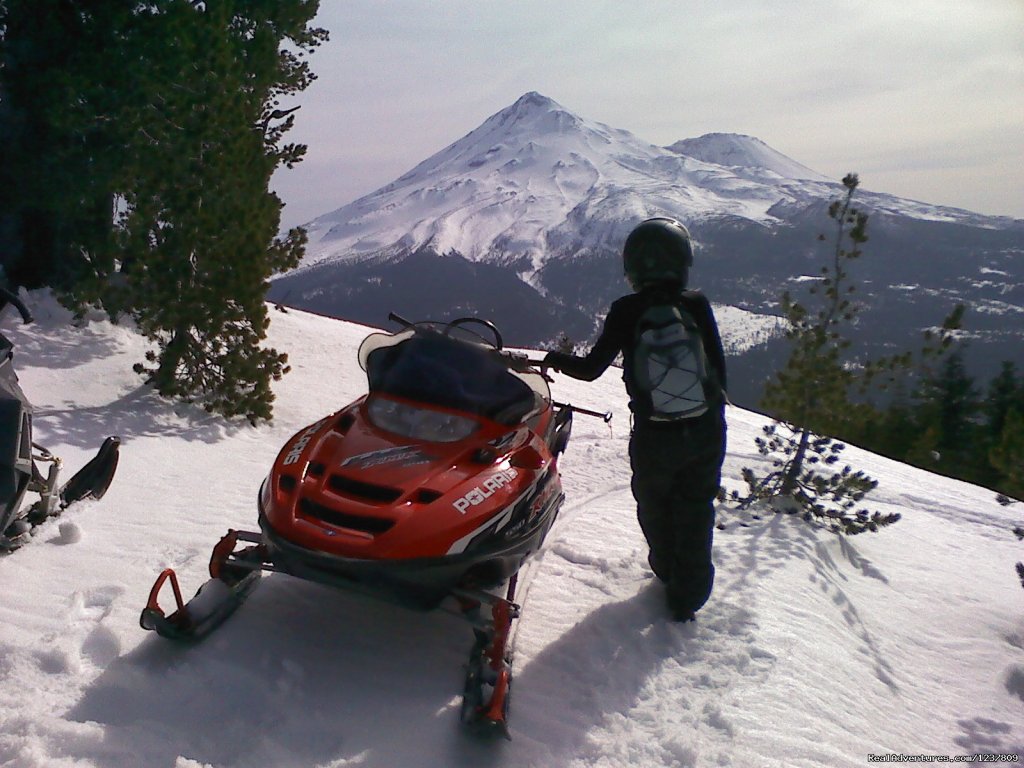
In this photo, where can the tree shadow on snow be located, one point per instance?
(52, 344)
(140, 413)
(985, 736)
(777, 538)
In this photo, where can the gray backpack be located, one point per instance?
(670, 367)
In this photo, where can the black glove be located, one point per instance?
(551, 360)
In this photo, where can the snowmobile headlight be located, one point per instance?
(419, 423)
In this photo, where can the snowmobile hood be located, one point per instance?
(347, 486)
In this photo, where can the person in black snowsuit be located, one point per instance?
(676, 464)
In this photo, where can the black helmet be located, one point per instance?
(658, 250)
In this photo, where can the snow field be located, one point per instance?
(813, 651)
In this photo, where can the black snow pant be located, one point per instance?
(676, 475)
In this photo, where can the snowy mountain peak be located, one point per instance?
(536, 182)
(533, 115)
(531, 103)
(736, 150)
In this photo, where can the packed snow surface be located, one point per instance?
(813, 651)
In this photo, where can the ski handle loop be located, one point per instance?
(153, 603)
(222, 551)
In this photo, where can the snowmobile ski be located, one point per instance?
(214, 602)
(90, 482)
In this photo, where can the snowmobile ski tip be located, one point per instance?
(228, 587)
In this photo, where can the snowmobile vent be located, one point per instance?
(372, 525)
(427, 496)
(346, 421)
(357, 489)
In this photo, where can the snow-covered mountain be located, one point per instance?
(536, 181)
(813, 651)
(523, 219)
(746, 155)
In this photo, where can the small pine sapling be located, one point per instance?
(807, 477)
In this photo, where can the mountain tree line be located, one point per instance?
(935, 414)
(951, 425)
(139, 143)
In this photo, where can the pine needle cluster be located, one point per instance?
(823, 491)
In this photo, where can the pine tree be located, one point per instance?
(200, 210)
(1005, 392)
(1004, 422)
(182, 112)
(58, 176)
(949, 404)
(1007, 455)
(810, 396)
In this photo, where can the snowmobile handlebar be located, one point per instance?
(606, 417)
(497, 343)
(6, 297)
(400, 320)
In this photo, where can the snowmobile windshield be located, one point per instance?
(434, 369)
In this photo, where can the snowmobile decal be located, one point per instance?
(296, 452)
(485, 490)
(406, 456)
(490, 526)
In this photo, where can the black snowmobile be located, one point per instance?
(21, 459)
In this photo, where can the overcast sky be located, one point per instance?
(922, 98)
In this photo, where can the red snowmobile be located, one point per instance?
(439, 483)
